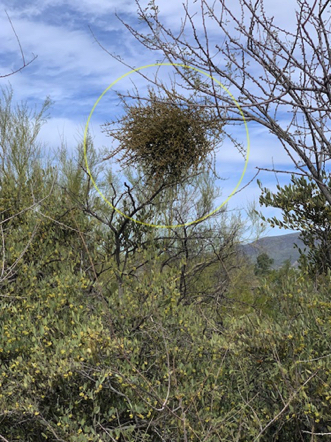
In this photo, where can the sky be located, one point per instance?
(73, 70)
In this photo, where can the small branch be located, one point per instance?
(63, 225)
(281, 171)
(25, 64)
(30, 207)
(311, 11)
(3, 252)
(169, 373)
(316, 434)
(18, 40)
(85, 246)
(246, 185)
(286, 406)
(14, 265)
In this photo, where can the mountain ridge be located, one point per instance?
(280, 248)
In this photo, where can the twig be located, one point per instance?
(3, 252)
(311, 11)
(18, 40)
(315, 359)
(169, 377)
(316, 434)
(30, 207)
(282, 171)
(51, 429)
(12, 267)
(286, 406)
(85, 246)
(63, 225)
(246, 185)
(25, 64)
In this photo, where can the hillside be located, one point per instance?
(279, 248)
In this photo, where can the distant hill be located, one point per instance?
(279, 248)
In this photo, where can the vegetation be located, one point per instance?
(115, 331)
(279, 248)
(263, 264)
(304, 208)
(267, 66)
(166, 139)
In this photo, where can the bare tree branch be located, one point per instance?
(272, 71)
(24, 63)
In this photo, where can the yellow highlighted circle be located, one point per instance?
(139, 69)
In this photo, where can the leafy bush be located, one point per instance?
(92, 351)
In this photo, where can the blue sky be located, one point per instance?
(73, 70)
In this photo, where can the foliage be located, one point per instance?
(304, 208)
(263, 264)
(91, 350)
(79, 363)
(166, 139)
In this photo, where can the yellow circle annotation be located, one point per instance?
(121, 78)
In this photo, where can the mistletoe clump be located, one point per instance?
(167, 140)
